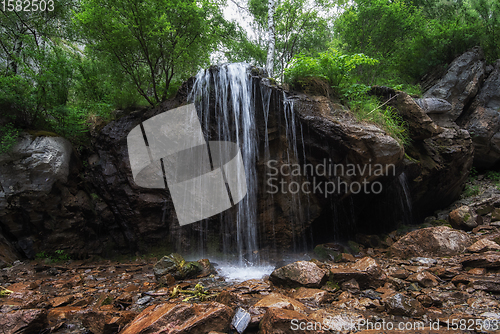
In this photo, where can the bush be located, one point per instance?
(331, 66)
(8, 136)
(336, 69)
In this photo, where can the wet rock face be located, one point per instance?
(42, 206)
(333, 133)
(482, 120)
(459, 85)
(34, 164)
(420, 125)
(432, 241)
(439, 169)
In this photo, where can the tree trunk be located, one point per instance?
(270, 38)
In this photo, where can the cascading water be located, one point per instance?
(224, 98)
(405, 199)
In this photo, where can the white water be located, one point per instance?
(238, 273)
(405, 199)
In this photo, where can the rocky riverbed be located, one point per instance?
(433, 277)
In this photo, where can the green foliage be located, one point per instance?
(473, 173)
(107, 301)
(336, 69)
(411, 37)
(369, 108)
(301, 26)
(8, 136)
(471, 190)
(4, 292)
(493, 175)
(154, 42)
(332, 66)
(58, 256)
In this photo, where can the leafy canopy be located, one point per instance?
(154, 41)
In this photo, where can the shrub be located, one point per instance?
(331, 66)
(8, 136)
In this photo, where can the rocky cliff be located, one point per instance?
(51, 198)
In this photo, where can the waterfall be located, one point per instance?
(405, 199)
(224, 98)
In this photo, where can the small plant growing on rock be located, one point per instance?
(4, 292)
(58, 256)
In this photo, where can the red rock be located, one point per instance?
(60, 314)
(464, 218)
(351, 285)
(399, 304)
(314, 296)
(105, 322)
(61, 301)
(482, 260)
(346, 257)
(485, 283)
(253, 286)
(284, 321)
(300, 273)
(396, 272)
(446, 272)
(365, 271)
(277, 300)
(131, 288)
(424, 279)
(369, 266)
(337, 320)
(483, 245)
(431, 242)
(181, 318)
(23, 321)
(476, 271)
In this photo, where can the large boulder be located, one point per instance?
(24, 321)
(34, 164)
(43, 204)
(438, 169)
(175, 265)
(437, 241)
(420, 125)
(400, 304)
(335, 135)
(459, 85)
(301, 273)
(464, 218)
(483, 121)
(181, 318)
(433, 105)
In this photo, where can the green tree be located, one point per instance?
(35, 73)
(154, 42)
(300, 26)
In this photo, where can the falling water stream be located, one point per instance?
(225, 101)
(227, 94)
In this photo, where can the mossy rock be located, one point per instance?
(329, 251)
(354, 246)
(42, 133)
